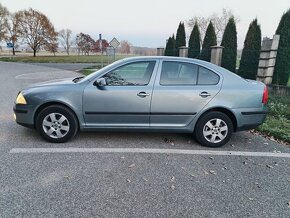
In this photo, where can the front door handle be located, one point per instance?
(143, 94)
(204, 94)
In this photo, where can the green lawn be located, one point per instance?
(61, 59)
(277, 123)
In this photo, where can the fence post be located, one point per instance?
(183, 51)
(267, 59)
(160, 51)
(216, 55)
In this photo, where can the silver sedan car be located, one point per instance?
(146, 94)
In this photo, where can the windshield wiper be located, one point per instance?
(75, 80)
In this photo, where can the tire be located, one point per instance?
(56, 124)
(213, 129)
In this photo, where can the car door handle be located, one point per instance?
(143, 94)
(204, 94)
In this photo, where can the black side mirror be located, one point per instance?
(100, 82)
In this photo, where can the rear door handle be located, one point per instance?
(204, 94)
(143, 94)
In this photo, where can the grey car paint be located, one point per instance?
(166, 108)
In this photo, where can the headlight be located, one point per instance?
(20, 99)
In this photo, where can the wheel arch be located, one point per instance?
(50, 103)
(226, 111)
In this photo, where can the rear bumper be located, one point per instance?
(250, 119)
(24, 115)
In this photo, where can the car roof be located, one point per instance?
(170, 58)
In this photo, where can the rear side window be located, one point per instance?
(177, 73)
(207, 77)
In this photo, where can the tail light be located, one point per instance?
(265, 95)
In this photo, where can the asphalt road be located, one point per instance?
(132, 184)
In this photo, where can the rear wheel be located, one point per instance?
(213, 129)
(56, 124)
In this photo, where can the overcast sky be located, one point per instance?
(149, 23)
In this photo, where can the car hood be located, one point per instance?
(57, 82)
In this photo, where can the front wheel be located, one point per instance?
(213, 129)
(56, 124)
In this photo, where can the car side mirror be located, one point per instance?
(100, 82)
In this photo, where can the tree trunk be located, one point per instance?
(34, 53)
(13, 51)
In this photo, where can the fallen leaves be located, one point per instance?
(169, 141)
(131, 166)
(269, 166)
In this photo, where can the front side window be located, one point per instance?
(177, 73)
(133, 74)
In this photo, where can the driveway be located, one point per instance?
(111, 174)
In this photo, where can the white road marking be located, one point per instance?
(147, 151)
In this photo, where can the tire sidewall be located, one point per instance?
(198, 133)
(61, 110)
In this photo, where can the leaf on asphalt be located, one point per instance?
(172, 179)
(169, 141)
(206, 173)
(244, 162)
(122, 157)
(251, 199)
(146, 180)
(266, 143)
(132, 165)
(288, 204)
(128, 180)
(172, 187)
(232, 145)
(269, 166)
(212, 172)
(66, 177)
(225, 168)
(211, 158)
(192, 175)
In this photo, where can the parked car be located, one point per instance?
(149, 94)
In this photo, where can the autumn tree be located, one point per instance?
(219, 22)
(282, 68)
(124, 47)
(251, 52)
(52, 47)
(85, 43)
(194, 42)
(103, 47)
(66, 39)
(229, 42)
(180, 38)
(209, 40)
(3, 16)
(12, 24)
(36, 29)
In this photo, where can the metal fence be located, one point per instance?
(279, 90)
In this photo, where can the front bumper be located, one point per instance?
(24, 115)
